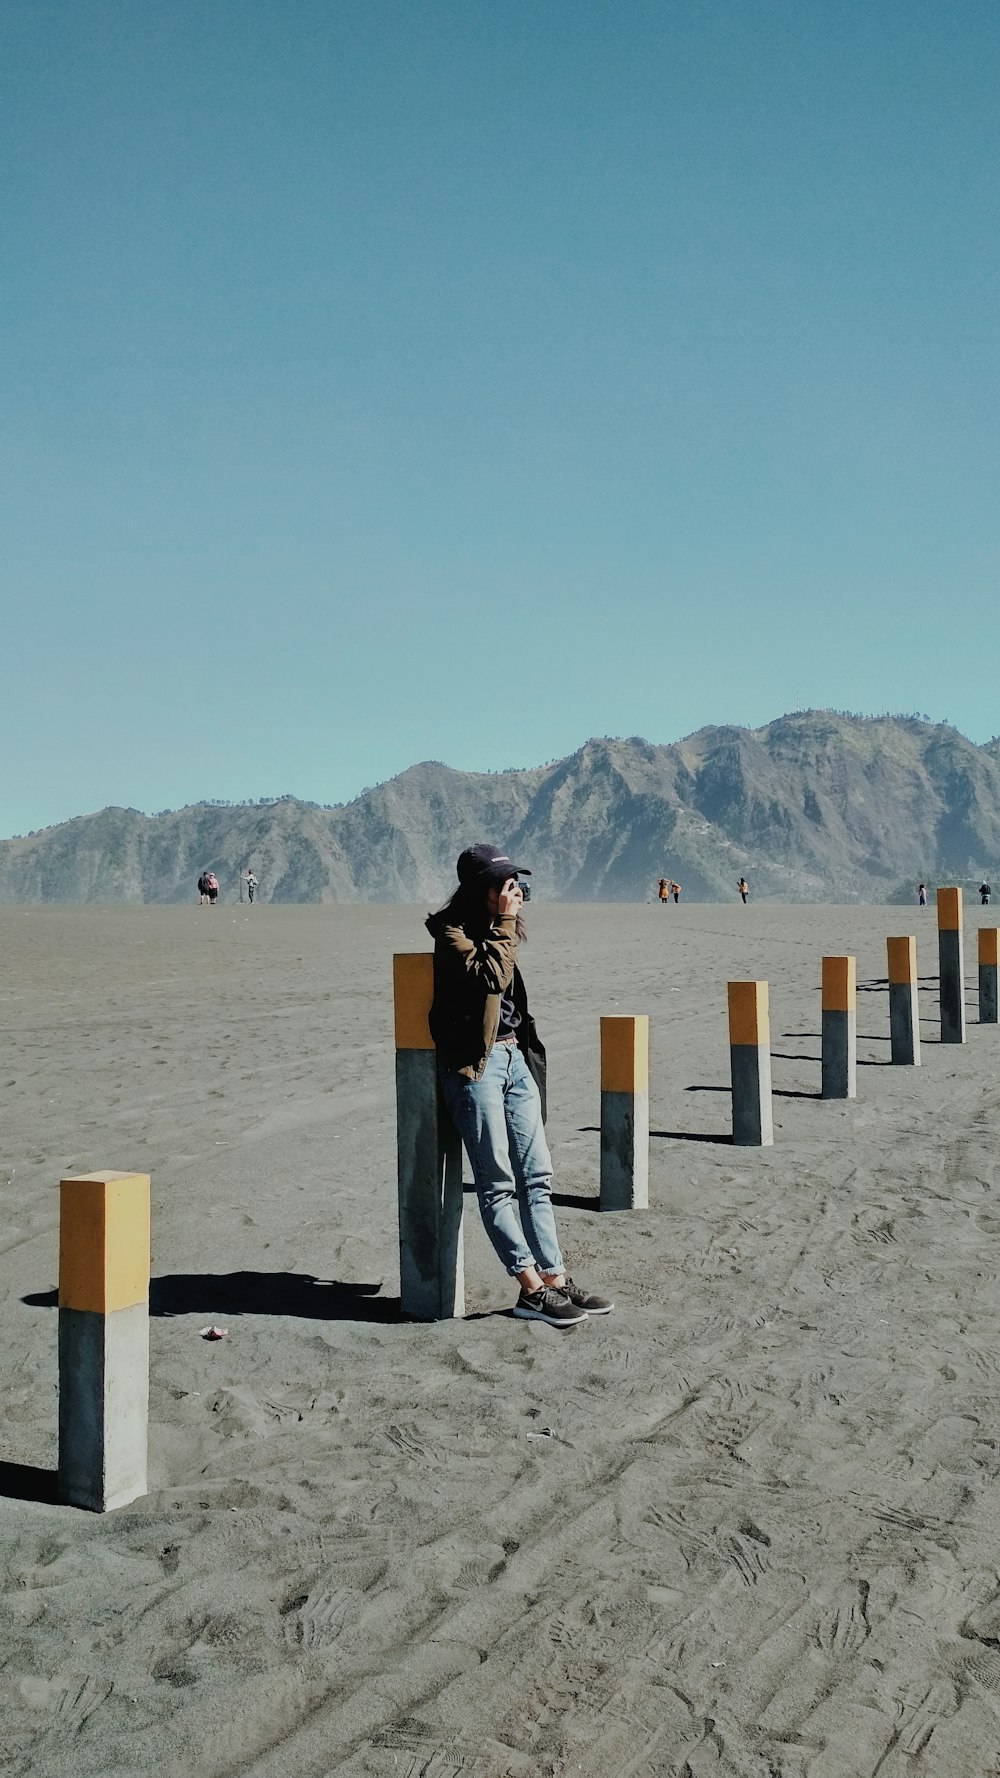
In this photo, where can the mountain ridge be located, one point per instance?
(815, 805)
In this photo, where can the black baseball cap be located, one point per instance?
(485, 864)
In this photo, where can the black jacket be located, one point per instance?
(472, 970)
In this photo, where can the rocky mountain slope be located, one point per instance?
(815, 806)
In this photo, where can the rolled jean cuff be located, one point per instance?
(514, 1266)
(515, 1271)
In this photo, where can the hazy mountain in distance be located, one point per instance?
(815, 806)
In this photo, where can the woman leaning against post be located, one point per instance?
(489, 1059)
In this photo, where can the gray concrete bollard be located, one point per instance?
(750, 1064)
(951, 965)
(840, 1028)
(103, 1339)
(904, 1015)
(987, 975)
(625, 1112)
(428, 1157)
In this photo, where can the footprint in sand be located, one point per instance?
(983, 1624)
(874, 1225)
(729, 1416)
(747, 1557)
(923, 1717)
(842, 1625)
(985, 1672)
(317, 1620)
(70, 1698)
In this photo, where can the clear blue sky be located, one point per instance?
(399, 379)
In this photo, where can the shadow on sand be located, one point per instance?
(660, 1135)
(24, 1481)
(689, 1136)
(257, 1293)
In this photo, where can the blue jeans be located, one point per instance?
(499, 1118)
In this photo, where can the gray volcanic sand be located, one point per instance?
(763, 1538)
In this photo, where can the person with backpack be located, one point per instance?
(491, 1068)
(984, 894)
(203, 889)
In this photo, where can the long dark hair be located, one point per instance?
(468, 909)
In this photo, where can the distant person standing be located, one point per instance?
(675, 890)
(742, 887)
(922, 895)
(663, 891)
(984, 894)
(212, 887)
(251, 886)
(203, 889)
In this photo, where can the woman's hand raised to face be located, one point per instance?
(510, 898)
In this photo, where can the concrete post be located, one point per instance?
(840, 1028)
(904, 1016)
(103, 1338)
(750, 1062)
(951, 965)
(428, 1155)
(987, 975)
(625, 1113)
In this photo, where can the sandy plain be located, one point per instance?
(763, 1538)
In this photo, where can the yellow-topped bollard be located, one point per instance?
(750, 1064)
(904, 1013)
(840, 1028)
(987, 975)
(428, 1156)
(951, 965)
(625, 1112)
(103, 1338)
